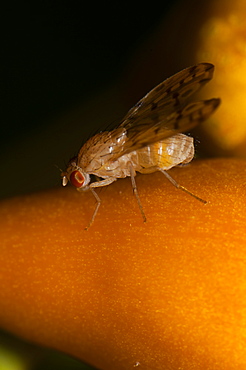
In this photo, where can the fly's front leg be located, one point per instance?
(180, 186)
(135, 191)
(98, 184)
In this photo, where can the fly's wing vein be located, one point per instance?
(164, 111)
(169, 96)
(180, 121)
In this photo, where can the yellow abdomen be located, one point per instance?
(164, 154)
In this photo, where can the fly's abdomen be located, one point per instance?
(165, 154)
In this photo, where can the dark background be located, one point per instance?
(56, 53)
(57, 59)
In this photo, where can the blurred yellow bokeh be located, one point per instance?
(195, 32)
(222, 40)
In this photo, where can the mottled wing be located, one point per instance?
(182, 120)
(169, 95)
(164, 111)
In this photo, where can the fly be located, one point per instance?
(148, 139)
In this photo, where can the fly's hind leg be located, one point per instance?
(180, 186)
(135, 191)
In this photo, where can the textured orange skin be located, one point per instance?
(167, 294)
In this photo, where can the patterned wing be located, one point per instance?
(169, 95)
(163, 112)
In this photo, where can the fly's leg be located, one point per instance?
(98, 184)
(96, 209)
(135, 191)
(180, 186)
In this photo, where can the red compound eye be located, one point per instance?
(77, 179)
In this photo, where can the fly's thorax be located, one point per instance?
(77, 177)
(101, 149)
(119, 168)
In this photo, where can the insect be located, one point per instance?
(149, 137)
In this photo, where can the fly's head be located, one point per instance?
(78, 178)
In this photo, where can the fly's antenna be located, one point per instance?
(58, 168)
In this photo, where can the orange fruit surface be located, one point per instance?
(166, 294)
